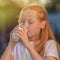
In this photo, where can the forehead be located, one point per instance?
(29, 14)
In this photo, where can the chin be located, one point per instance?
(29, 35)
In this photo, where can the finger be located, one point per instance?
(15, 29)
(21, 37)
(25, 29)
(22, 26)
(22, 29)
(20, 33)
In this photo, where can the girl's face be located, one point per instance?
(31, 22)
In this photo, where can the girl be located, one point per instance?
(36, 40)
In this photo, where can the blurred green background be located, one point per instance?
(9, 11)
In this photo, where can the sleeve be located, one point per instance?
(15, 49)
(16, 52)
(51, 49)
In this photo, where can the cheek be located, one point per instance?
(34, 30)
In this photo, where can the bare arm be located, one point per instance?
(23, 35)
(7, 54)
(34, 53)
(50, 58)
(36, 56)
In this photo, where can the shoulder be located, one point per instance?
(50, 43)
(50, 46)
(51, 49)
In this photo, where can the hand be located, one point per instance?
(11, 40)
(22, 33)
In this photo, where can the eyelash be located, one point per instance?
(28, 22)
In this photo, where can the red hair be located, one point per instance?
(46, 33)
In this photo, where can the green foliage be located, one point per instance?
(8, 12)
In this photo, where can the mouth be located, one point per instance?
(27, 32)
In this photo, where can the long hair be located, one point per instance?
(46, 33)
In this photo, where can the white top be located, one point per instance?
(21, 53)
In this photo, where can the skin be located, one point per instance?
(33, 26)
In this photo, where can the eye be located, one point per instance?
(23, 22)
(30, 22)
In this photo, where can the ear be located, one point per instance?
(42, 25)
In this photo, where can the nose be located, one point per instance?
(26, 24)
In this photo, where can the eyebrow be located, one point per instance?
(26, 19)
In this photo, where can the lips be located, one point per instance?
(28, 32)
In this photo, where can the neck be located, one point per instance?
(35, 38)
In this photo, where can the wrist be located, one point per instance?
(28, 46)
(12, 43)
